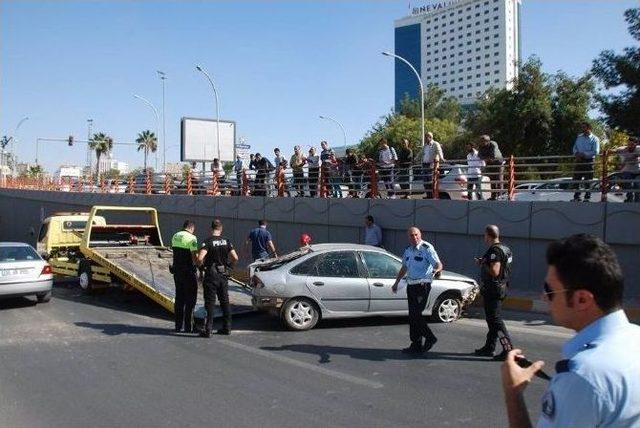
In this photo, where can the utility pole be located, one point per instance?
(163, 77)
(89, 161)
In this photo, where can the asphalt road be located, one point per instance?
(110, 360)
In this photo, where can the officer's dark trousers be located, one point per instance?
(417, 296)
(186, 292)
(216, 285)
(492, 313)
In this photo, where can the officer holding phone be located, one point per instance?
(495, 269)
(420, 264)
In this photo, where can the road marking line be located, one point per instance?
(519, 329)
(314, 368)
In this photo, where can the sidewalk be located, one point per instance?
(537, 305)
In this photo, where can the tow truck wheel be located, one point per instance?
(84, 276)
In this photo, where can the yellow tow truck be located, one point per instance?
(97, 251)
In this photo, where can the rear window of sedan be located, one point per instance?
(340, 264)
(17, 254)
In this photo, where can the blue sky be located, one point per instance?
(277, 66)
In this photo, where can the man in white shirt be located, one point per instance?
(431, 151)
(387, 158)
(474, 172)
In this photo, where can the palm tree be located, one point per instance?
(147, 141)
(101, 143)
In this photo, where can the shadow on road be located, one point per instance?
(111, 298)
(17, 302)
(325, 352)
(118, 329)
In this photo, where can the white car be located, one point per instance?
(23, 272)
(346, 281)
(562, 189)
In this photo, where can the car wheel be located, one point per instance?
(447, 309)
(84, 276)
(300, 314)
(43, 297)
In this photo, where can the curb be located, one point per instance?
(528, 304)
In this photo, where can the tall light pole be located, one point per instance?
(163, 77)
(89, 160)
(155, 111)
(15, 137)
(385, 53)
(344, 134)
(215, 92)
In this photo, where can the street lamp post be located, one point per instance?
(14, 140)
(163, 77)
(344, 134)
(215, 92)
(155, 112)
(385, 53)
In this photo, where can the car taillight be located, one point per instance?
(256, 282)
(46, 270)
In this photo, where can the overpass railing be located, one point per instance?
(555, 178)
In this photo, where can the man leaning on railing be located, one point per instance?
(585, 149)
(630, 169)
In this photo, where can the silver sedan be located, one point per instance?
(347, 280)
(23, 272)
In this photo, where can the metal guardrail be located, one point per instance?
(523, 178)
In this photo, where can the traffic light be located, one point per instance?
(70, 140)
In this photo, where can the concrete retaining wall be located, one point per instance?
(454, 227)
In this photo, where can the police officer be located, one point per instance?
(185, 247)
(495, 268)
(217, 257)
(598, 382)
(420, 263)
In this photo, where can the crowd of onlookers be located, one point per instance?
(396, 168)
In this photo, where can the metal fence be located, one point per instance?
(555, 178)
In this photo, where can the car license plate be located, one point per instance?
(13, 272)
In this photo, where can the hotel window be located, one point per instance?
(478, 67)
(486, 55)
(495, 45)
(486, 38)
(428, 45)
(496, 53)
(495, 27)
(495, 18)
(468, 68)
(477, 49)
(469, 86)
(477, 14)
(477, 31)
(478, 75)
(487, 82)
(496, 71)
(478, 84)
(469, 95)
(495, 9)
(496, 62)
(496, 81)
(477, 40)
(477, 58)
(487, 73)
(460, 80)
(486, 20)
(436, 75)
(495, 36)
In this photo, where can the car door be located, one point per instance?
(381, 271)
(336, 280)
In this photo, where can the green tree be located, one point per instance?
(520, 118)
(571, 101)
(621, 72)
(112, 174)
(35, 171)
(100, 143)
(147, 142)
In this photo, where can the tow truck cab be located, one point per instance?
(61, 234)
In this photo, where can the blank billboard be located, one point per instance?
(198, 142)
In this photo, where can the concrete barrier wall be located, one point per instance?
(454, 227)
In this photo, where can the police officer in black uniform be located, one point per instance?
(185, 247)
(495, 267)
(217, 257)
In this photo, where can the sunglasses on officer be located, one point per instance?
(548, 293)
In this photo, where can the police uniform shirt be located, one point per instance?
(183, 243)
(493, 255)
(598, 385)
(218, 249)
(420, 262)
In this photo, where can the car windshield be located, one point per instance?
(17, 254)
